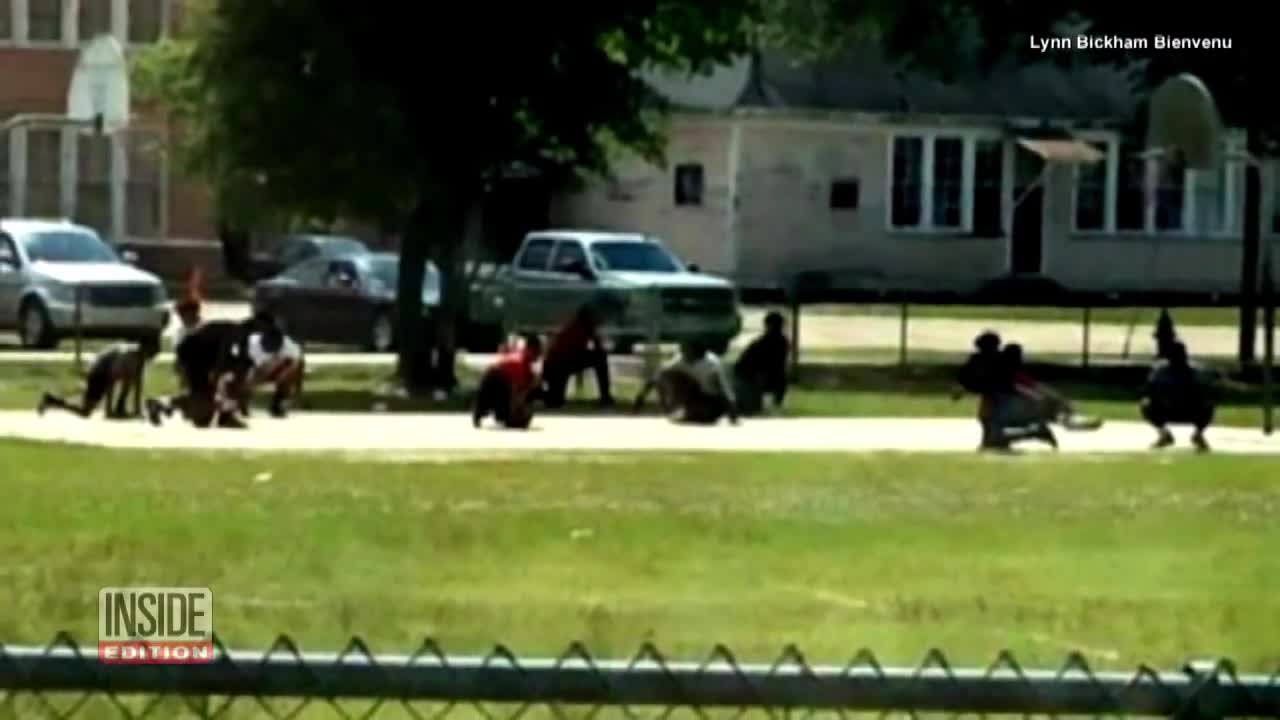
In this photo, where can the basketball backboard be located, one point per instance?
(717, 89)
(99, 92)
(1183, 121)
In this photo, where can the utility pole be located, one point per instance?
(1251, 246)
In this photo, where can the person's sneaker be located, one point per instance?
(1201, 444)
(476, 420)
(278, 410)
(154, 411)
(231, 421)
(42, 405)
(1164, 441)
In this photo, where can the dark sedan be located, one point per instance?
(344, 300)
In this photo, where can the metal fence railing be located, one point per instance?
(63, 680)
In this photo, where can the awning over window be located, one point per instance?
(1076, 152)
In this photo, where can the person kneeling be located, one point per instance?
(116, 373)
(761, 370)
(1178, 392)
(693, 388)
(507, 387)
(277, 360)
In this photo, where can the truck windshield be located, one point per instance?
(68, 246)
(633, 257)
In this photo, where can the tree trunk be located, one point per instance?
(1250, 251)
(237, 257)
(414, 358)
(435, 231)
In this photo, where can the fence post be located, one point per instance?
(902, 335)
(1268, 342)
(1084, 350)
(795, 331)
(652, 351)
(79, 318)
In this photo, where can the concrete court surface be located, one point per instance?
(428, 435)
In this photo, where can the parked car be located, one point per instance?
(293, 249)
(349, 299)
(44, 264)
(637, 285)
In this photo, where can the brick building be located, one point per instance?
(120, 184)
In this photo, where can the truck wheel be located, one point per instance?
(382, 334)
(34, 328)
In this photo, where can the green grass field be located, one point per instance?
(1124, 559)
(824, 390)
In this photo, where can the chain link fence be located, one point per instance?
(64, 680)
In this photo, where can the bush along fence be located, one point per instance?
(65, 680)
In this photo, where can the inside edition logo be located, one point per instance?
(155, 625)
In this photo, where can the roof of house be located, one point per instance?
(863, 81)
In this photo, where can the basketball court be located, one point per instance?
(448, 434)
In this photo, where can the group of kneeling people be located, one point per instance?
(693, 387)
(1014, 406)
(218, 364)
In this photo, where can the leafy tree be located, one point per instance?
(321, 109)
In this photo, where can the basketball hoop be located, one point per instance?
(98, 96)
(1183, 118)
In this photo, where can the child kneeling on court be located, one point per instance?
(277, 360)
(693, 387)
(507, 387)
(117, 372)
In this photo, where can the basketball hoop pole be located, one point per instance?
(1268, 332)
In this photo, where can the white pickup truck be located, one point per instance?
(641, 290)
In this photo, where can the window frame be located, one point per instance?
(1232, 191)
(969, 137)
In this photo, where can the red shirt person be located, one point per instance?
(507, 387)
(576, 347)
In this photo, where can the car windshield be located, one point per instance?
(385, 271)
(633, 257)
(68, 246)
(334, 246)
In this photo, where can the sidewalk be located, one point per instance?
(436, 434)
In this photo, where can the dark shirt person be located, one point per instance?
(116, 377)
(1178, 392)
(761, 370)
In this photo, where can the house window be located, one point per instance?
(908, 182)
(44, 165)
(1150, 195)
(689, 184)
(1211, 213)
(1170, 196)
(94, 18)
(988, 188)
(142, 189)
(44, 20)
(146, 21)
(6, 20)
(93, 182)
(844, 194)
(1275, 199)
(1091, 193)
(948, 182)
(936, 183)
(1131, 194)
